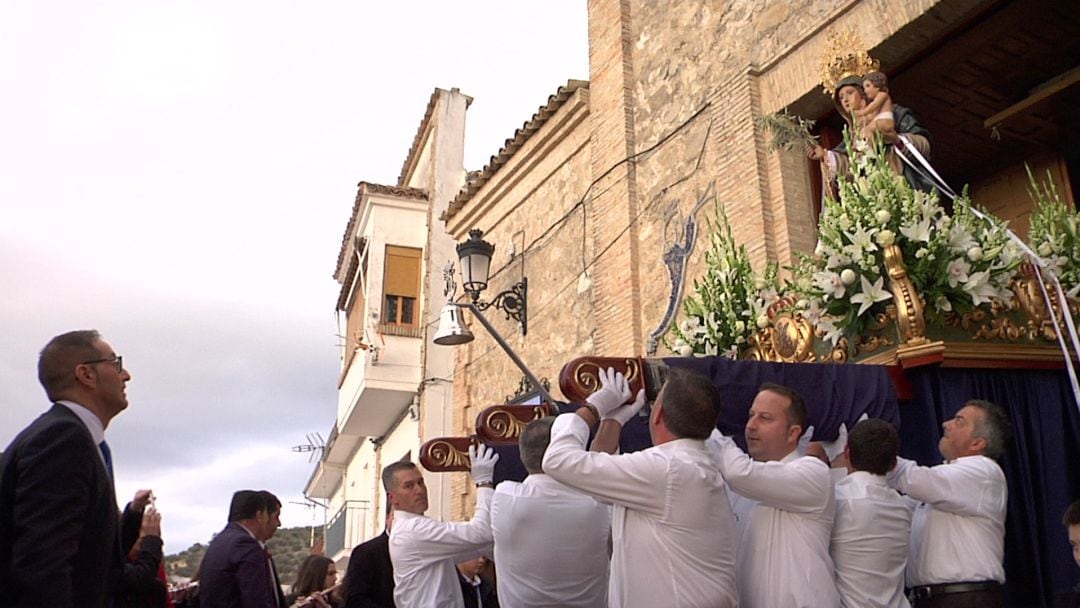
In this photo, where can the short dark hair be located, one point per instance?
(878, 79)
(796, 409)
(1072, 515)
(874, 445)
(247, 503)
(691, 403)
(392, 468)
(994, 427)
(60, 356)
(533, 443)
(312, 575)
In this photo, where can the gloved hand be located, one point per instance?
(614, 391)
(835, 448)
(807, 436)
(624, 413)
(483, 461)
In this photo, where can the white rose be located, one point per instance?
(883, 216)
(975, 253)
(685, 350)
(847, 277)
(740, 327)
(885, 238)
(759, 283)
(762, 321)
(1045, 249)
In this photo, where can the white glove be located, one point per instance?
(483, 461)
(835, 448)
(804, 441)
(624, 413)
(614, 391)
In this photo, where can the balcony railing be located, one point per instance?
(346, 528)
(395, 329)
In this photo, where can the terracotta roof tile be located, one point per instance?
(362, 189)
(512, 145)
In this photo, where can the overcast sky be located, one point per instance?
(178, 175)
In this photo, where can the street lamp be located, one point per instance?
(475, 257)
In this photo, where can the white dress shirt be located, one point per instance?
(870, 542)
(784, 512)
(425, 552)
(958, 532)
(551, 544)
(671, 529)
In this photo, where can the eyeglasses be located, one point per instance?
(116, 360)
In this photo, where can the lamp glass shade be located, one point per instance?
(475, 257)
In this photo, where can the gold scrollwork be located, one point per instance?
(909, 309)
(868, 344)
(587, 374)
(504, 424)
(1001, 329)
(443, 454)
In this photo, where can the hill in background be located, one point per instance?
(290, 546)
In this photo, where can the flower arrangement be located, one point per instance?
(729, 302)
(1054, 233)
(956, 263)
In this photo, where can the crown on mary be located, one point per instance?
(844, 55)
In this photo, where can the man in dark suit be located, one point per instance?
(369, 581)
(237, 570)
(60, 537)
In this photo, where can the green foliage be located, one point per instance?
(787, 131)
(290, 546)
(1054, 232)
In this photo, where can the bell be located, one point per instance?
(451, 330)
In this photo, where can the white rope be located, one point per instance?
(1038, 263)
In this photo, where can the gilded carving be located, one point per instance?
(587, 378)
(909, 309)
(444, 454)
(506, 425)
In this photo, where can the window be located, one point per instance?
(401, 286)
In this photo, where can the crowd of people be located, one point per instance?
(693, 521)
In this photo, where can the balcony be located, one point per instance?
(346, 528)
(377, 386)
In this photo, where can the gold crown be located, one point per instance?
(845, 55)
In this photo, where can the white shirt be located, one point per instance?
(958, 532)
(91, 422)
(425, 552)
(784, 512)
(551, 544)
(870, 542)
(671, 526)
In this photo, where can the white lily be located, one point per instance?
(979, 288)
(871, 294)
(917, 232)
(862, 240)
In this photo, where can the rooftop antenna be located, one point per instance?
(315, 444)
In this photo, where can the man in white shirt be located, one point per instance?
(551, 542)
(423, 551)
(958, 532)
(672, 528)
(873, 522)
(783, 505)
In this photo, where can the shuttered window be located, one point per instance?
(401, 285)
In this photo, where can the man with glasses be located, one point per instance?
(60, 537)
